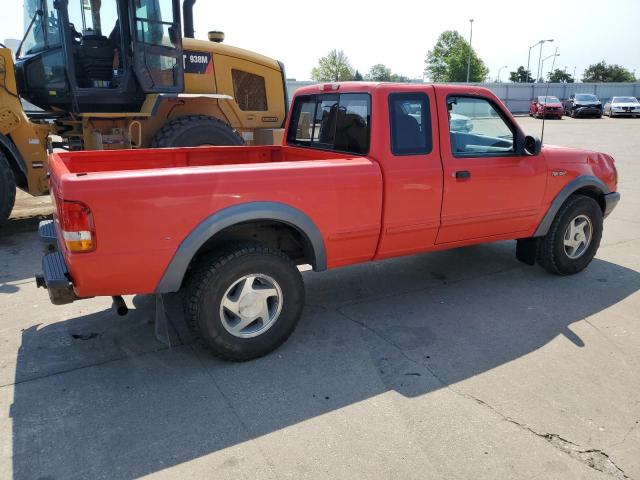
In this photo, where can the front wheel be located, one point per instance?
(573, 238)
(244, 302)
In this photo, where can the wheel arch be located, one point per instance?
(587, 185)
(272, 223)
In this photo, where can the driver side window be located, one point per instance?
(476, 128)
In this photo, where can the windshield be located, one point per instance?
(40, 26)
(624, 100)
(586, 98)
(548, 100)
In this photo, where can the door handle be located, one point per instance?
(463, 174)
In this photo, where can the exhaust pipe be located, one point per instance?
(119, 306)
(187, 18)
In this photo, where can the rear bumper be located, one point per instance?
(610, 202)
(55, 276)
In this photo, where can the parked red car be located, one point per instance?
(546, 106)
(367, 171)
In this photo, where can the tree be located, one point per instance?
(447, 61)
(399, 78)
(521, 75)
(357, 76)
(559, 76)
(334, 67)
(601, 72)
(379, 73)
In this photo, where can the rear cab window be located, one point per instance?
(336, 122)
(410, 121)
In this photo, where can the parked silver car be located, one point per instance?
(622, 106)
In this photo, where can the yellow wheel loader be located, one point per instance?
(113, 74)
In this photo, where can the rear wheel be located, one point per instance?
(573, 238)
(7, 189)
(194, 131)
(244, 302)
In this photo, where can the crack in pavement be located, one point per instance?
(593, 458)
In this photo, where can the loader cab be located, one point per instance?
(99, 55)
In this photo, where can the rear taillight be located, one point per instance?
(76, 223)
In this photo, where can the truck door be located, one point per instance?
(489, 188)
(412, 172)
(157, 45)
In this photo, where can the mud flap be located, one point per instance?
(170, 326)
(526, 249)
(162, 323)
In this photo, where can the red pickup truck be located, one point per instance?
(366, 171)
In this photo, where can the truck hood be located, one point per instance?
(578, 161)
(555, 154)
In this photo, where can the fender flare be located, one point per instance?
(227, 217)
(570, 188)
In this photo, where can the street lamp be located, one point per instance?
(547, 58)
(535, 45)
(500, 70)
(469, 59)
(540, 56)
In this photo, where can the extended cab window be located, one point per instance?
(332, 121)
(410, 122)
(477, 129)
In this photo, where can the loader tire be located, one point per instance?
(195, 131)
(7, 189)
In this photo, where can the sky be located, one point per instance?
(399, 33)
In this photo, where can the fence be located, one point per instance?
(517, 96)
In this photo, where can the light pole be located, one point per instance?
(469, 59)
(535, 45)
(574, 73)
(500, 70)
(556, 54)
(540, 56)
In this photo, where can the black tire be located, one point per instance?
(194, 131)
(209, 283)
(551, 254)
(7, 189)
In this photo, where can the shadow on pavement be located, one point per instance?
(98, 396)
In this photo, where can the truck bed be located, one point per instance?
(145, 202)
(144, 159)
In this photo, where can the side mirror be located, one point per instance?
(532, 145)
